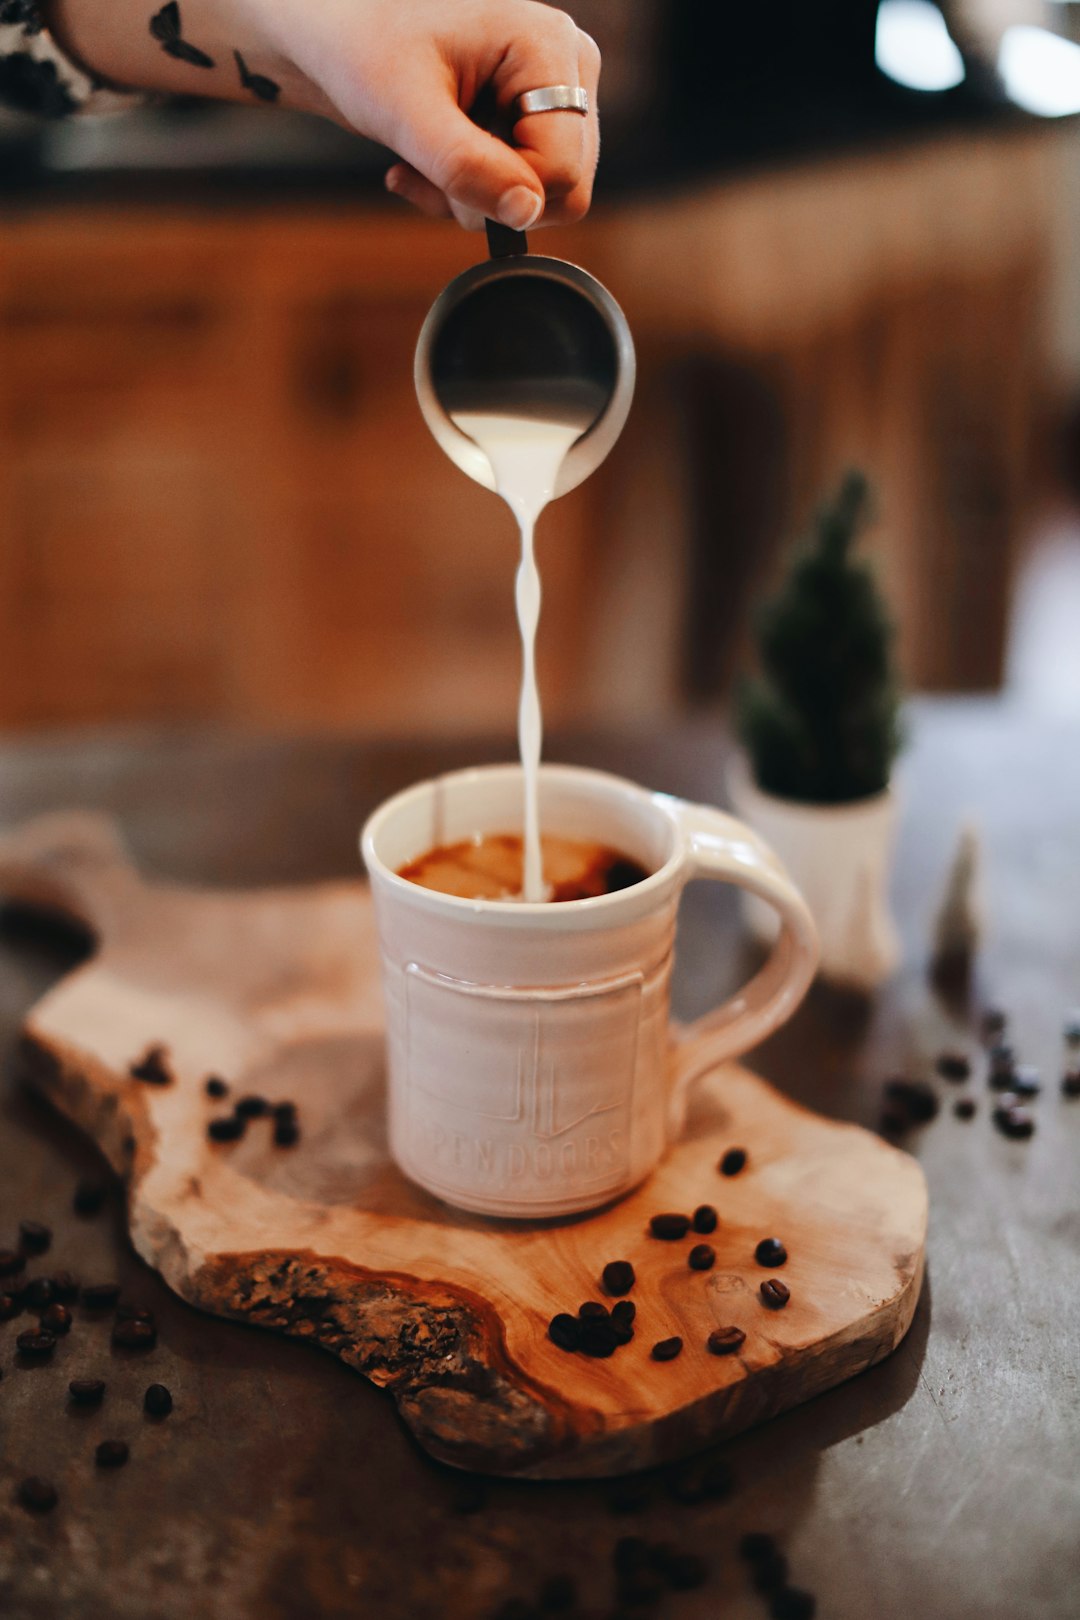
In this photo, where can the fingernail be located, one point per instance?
(392, 178)
(519, 208)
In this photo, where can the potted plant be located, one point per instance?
(820, 727)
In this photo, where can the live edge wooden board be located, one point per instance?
(278, 992)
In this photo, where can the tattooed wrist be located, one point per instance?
(166, 26)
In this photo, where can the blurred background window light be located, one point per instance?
(913, 47)
(1040, 71)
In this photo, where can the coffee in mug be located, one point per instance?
(492, 867)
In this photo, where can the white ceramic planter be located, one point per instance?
(840, 857)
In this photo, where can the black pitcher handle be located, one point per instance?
(503, 243)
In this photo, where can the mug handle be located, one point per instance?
(718, 846)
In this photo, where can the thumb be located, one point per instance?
(470, 167)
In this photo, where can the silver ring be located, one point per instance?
(554, 98)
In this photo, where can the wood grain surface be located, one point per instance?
(326, 1240)
(942, 1482)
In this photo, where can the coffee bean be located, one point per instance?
(725, 1341)
(953, 1065)
(38, 1346)
(100, 1296)
(774, 1293)
(618, 1277)
(623, 1312)
(252, 1107)
(158, 1401)
(791, 1603)
(683, 1571)
(592, 1307)
(770, 1252)
(666, 1349)
(733, 1161)
(34, 1237)
(11, 1261)
(1002, 1063)
(756, 1547)
(557, 1594)
(66, 1286)
(39, 1292)
(284, 1110)
(1025, 1081)
(771, 1573)
(111, 1454)
(704, 1219)
(623, 1331)
(216, 1087)
(993, 1022)
(913, 1099)
(964, 1108)
(56, 1319)
(89, 1196)
(36, 1494)
(87, 1391)
(152, 1067)
(598, 1337)
(1070, 1083)
(1071, 1028)
(229, 1129)
(669, 1227)
(10, 1306)
(286, 1131)
(565, 1331)
(702, 1257)
(1014, 1122)
(134, 1334)
(128, 1311)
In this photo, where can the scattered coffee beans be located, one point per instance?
(592, 1307)
(666, 1349)
(11, 1261)
(89, 1196)
(37, 1495)
(37, 1345)
(618, 1277)
(215, 1087)
(39, 1292)
(724, 1341)
(34, 1238)
(285, 1110)
(152, 1067)
(134, 1334)
(770, 1252)
(964, 1108)
(66, 1286)
(1002, 1063)
(892, 1122)
(87, 1391)
(112, 1454)
(683, 1571)
(733, 1161)
(9, 1307)
(229, 1129)
(100, 1296)
(953, 1066)
(791, 1603)
(669, 1227)
(913, 1099)
(56, 1319)
(158, 1401)
(253, 1107)
(286, 1131)
(1070, 1083)
(774, 1293)
(565, 1331)
(599, 1337)
(702, 1257)
(623, 1312)
(1014, 1122)
(756, 1547)
(705, 1219)
(771, 1573)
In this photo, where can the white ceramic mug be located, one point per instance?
(533, 1066)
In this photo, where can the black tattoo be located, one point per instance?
(165, 27)
(257, 83)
